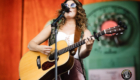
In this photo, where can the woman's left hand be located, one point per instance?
(89, 42)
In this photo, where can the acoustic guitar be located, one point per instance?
(38, 66)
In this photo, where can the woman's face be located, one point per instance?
(72, 12)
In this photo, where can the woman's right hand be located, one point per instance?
(45, 49)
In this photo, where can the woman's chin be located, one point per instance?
(69, 17)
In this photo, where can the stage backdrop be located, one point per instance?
(10, 38)
(114, 51)
(22, 20)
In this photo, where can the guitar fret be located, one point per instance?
(100, 33)
(60, 52)
(63, 50)
(66, 49)
(70, 47)
(74, 46)
(80, 43)
(83, 42)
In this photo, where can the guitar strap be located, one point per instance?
(52, 36)
(77, 36)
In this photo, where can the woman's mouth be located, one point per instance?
(69, 11)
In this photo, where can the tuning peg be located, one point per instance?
(119, 22)
(121, 32)
(125, 27)
(122, 24)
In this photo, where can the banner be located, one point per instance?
(109, 74)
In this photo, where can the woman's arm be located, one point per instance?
(87, 47)
(41, 37)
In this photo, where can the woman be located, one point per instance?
(75, 19)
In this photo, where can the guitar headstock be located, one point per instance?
(117, 29)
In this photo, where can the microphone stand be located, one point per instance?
(54, 24)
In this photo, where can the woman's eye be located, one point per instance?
(67, 5)
(73, 5)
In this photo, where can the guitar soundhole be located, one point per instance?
(48, 64)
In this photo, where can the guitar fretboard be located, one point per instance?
(71, 47)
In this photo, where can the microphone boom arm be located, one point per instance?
(57, 20)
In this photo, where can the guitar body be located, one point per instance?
(37, 66)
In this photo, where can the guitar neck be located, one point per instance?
(71, 47)
(111, 30)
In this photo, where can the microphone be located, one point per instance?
(65, 8)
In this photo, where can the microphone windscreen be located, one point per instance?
(64, 7)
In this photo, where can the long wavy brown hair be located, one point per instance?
(81, 20)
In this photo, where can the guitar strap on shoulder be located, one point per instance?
(77, 37)
(52, 36)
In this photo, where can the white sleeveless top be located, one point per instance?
(69, 39)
